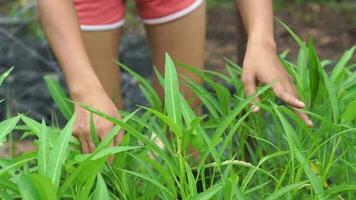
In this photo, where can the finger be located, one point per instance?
(84, 144)
(305, 118)
(287, 96)
(91, 145)
(119, 137)
(250, 89)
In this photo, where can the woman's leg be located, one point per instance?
(102, 48)
(184, 40)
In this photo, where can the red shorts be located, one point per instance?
(99, 15)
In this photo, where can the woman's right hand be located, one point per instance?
(100, 101)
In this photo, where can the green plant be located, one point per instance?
(268, 155)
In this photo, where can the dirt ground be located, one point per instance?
(332, 26)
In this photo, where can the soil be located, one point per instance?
(332, 26)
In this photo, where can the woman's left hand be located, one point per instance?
(262, 66)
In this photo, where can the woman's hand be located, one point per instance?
(262, 66)
(100, 101)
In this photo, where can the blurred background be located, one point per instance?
(22, 44)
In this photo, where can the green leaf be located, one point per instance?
(6, 127)
(5, 74)
(86, 177)
(208, 194)
(35, 127)
(59, 97)
(227, 121)
(192, 183)
(83, 176)
(134, 132)
(314, 78)
(5, 196)
(159, 77)
(317, 75)
(189, 116)
(43, 150)
(340, 188)
(59, 153)
(8, 185)
(223, 94)
(166, 119)
(207, 99)
(295, 145)
(27, 189)
(113, 150)
(18, 162)
(150, 180)
(112, 134)
(341, 64)
(296, 38)
(146, 85)
(92, 128)
(44, 187)
(350, 112)
(279, 193)
(171, 92)
(101, 191)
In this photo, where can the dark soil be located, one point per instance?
(332, 26)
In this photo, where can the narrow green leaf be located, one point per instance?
(192, 183)
(113, 150)
(132, 130)
(166, 119)
(295, 145)
(27, 189)
(6, 127)
(5, 196)
(350, 112)
(150, 180)
(43, 150)
(44, 187)
(171, 92)
(92, 128)
(208, 194)
(279, 193)
(341, 64)
(201, 137)
(59, 153)
(101, 191)
(234, 113)
(314, 78)
(5, 74)
(18, 162)
(154, 97)
(59, 97)
(296, 38)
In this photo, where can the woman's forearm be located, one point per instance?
(62, 29)
(257, 17)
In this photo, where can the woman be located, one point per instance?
(84, 35)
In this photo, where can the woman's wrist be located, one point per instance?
(260, 40)
(85, 88)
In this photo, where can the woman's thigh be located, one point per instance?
(184, 40)
(102, 49)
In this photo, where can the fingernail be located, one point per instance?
(301, 103)
(255, 108)
(310, 123)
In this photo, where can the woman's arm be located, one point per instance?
(62, 28)
(261, 64)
